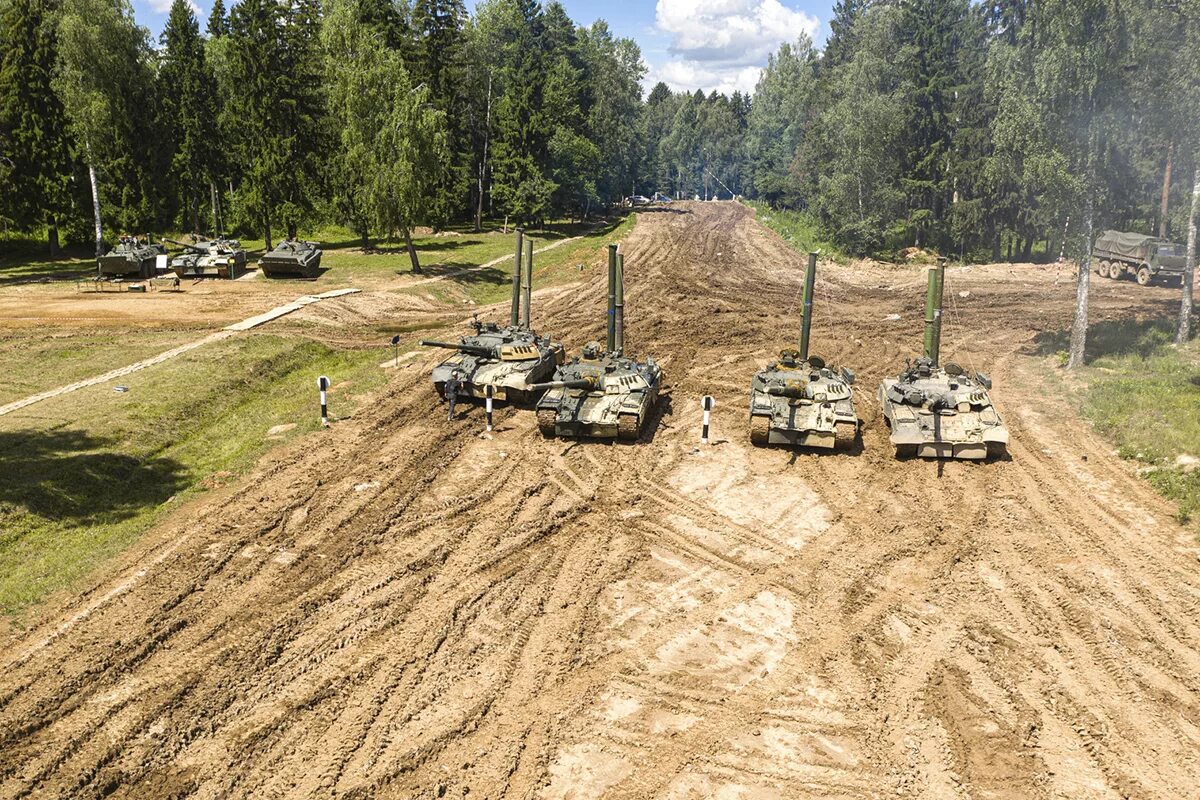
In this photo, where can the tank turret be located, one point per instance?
(798, 400)
(936, 410)
(209, 258)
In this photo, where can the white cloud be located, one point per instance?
(164, 6)
(723, 44)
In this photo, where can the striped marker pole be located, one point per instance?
(707, 402)
(489, 392)
(323, 386)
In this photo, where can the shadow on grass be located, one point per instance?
(476, 276)
(73, 476)
(1140, 336)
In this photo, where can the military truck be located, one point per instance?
(798, 400)
(510, 359)
(132, 257)
(1145, 258)
(602, 393)
(216, 258)
(941, 411)
(293, 258)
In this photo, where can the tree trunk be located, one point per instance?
(364, 232)
(291, 230)
(96, 211)
(52, 238)
(194, 204)
(487, 128)
(267, 233)
(412, 252)
(1166, 193)
(1189, 270)
(212, 192)
(1080, 325)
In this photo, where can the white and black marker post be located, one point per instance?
(396, 350)
(323, 386)
(707, 402)
(489, 392)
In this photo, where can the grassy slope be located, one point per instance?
(86, 474)
(797, 229)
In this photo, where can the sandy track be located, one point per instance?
(413, 611)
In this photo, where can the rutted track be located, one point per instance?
(411, 610)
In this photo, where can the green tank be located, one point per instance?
(131, 257)
(936, 410)
(602, 393)
(511, 358)
(799, 400)
(210, 258)
(292, 258)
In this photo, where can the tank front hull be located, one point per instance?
(825, 426)
(291, 267)
(598, 416)
(119, 266)
(510, 380)
(964, 436)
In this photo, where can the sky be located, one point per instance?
(689, 44)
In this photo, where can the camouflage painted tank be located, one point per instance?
(292, 257)
(215, 258)
(602, 394)
(510, 358)
(800, 401)
(131, 257)
(941, 411)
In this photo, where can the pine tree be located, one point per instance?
(188, 92)
(842, 43)
(32, 119)
(438, 26)
(218, 22)
(784, 104)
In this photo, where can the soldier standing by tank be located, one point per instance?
(452, 385)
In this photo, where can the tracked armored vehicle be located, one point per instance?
(292, 258)
(216, 258)
(941, 411)
(131, 257)
(602, 393)
(511, 359)
(799, 400)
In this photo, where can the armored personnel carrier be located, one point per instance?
(511, 359)
(602, 394)
(216, 258)
(941, 411)
(292, 258)
(799, 400)
(131, 257)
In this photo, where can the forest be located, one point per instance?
(984, 130)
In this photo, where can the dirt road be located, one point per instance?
(410, 610)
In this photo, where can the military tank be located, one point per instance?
(209, 258)
(602, 393)
(799, 400)
(293, 258)
(936, 410)
(131, 257)
(511, 359)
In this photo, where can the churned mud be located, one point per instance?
(403, 608)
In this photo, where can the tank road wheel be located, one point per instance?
(627, 427)
(760, 429)
(545, 422)
(1144, 276)
(906, 451)
(844, 434)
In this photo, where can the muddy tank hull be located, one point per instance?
(127, 266)
(800, 423)
(595, 415)
(300, 265)
(510, 380)
(920, 432)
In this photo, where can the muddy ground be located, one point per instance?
(403, 608)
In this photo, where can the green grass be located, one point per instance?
(1145, 397)
(799, 230)
(73, 494)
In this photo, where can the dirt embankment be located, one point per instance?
(410, 610)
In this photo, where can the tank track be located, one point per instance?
(545, 422)
(760, 429)
(627, 426)
(844, 434)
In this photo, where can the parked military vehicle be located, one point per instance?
(132, 257)
(1145, 258)
(215, 258)
(292, 258)
(602, 393)
(941, 411)
(511, 359)
(798, 400)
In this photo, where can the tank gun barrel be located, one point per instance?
(810, 277)
(469, 349)
(515, 316)
(577, 383)
(612, 298)
(186, 246)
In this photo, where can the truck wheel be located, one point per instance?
(1102, 269)
(1144, 276)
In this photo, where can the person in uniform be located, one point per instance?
(452, 385)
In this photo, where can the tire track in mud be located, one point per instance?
(417, 611)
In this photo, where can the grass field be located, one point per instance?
(799, 230)
(85, 474)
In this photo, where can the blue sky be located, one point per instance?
(690, 44)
